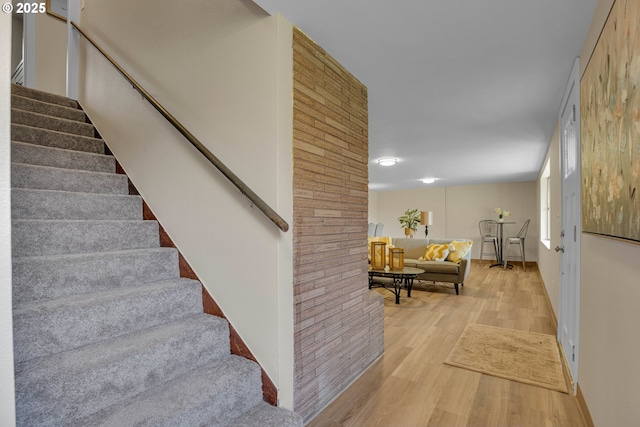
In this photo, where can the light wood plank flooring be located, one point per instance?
(410, 385)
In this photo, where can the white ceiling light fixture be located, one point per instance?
(428, 180)
(389, 161)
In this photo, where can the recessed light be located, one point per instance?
(387, 162)
(428, 180)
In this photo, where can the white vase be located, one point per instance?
(500, 219)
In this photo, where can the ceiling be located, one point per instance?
(465, 91)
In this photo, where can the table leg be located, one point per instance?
(500, 245)
(499, 254)
(397, 287)
(408, 283)
(502, 262)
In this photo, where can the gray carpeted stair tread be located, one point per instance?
(51, 204)
(265, 415)
(44, 121)
(32, 154)
(46, 327)
(208, 396)
(50, 178)
(50, 138)
(54, 110)
(33, 237)
(65, 387)
(43, 96)
(57, 276)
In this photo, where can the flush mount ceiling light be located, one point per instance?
(387, 161)
(428, 180)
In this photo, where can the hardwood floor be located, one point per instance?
(410, 385)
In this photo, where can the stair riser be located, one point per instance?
(29, 104)
(43, 237)
(35, 204)
(32, 154)
(243, 391)
(37, 278)
(48, 178)
(113, 371)
(43, 96)
(49, 138)
(42, 329)
(211, 396)
(264, 414)
(42, 121)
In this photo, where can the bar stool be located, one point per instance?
(517, 240)
(488, 234)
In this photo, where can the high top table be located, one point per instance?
(500, 255)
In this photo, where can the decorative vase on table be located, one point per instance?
(501, 214)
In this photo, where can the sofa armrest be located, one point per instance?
(465, 268)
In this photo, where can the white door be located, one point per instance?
(569, 316)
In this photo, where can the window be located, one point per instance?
(545, 206)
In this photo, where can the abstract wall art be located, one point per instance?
(610, 127)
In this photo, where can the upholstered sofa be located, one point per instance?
(437, 271)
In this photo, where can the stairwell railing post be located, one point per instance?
(73, 40)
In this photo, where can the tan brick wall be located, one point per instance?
(338, 321)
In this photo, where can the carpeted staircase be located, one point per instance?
(106, 332)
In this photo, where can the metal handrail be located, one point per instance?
(244, 189)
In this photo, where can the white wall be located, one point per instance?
(609, 342)
(286, 318)
(373, 207)
(45, 52)
(392, 204)
(457, 211)
(51, 54)
(7, 399)
(16, 41)
(548, 258)
(224, 70)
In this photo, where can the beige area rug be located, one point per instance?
(526, 357)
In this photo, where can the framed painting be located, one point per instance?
(610, 128)
(57, 9)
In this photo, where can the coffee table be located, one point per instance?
(400, 277)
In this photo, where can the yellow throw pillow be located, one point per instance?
(461, 249)
(437, 252)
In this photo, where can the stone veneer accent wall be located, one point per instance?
(338, 321)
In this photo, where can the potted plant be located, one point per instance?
(409, 221)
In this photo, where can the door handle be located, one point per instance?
(560, 249)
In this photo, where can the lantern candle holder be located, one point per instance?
(396, 259)
(378, 255)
